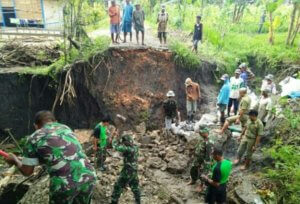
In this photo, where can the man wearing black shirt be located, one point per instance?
(197, 34)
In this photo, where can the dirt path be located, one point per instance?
(151, 39)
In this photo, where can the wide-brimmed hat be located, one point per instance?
(243, 89)
(237, 71)
(243, 65)
(224, 77)
(170, 94)
(269, 77)
(188, 81)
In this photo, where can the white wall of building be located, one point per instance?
(53, 14)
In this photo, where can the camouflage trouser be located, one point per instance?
(80, 195)
(101, 157)
(130, 178)
(246, 146)
(198, 168)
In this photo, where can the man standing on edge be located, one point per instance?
(192, 97)
(235, 84)
(100, 142)
(138, 20)
(246, 74)
(54, 145)
(250, 138)
(242, 117)
(162, 20)
(223, 97)
(127, 20)
(129, 173)
(171, 112)
(216, 186)
(114, 14)
(198, 29)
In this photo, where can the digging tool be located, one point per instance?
(13, 138)
(3, 154)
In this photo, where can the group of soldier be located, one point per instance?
(233, 93)
(72, 176)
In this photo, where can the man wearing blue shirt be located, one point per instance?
(127, 20)
(223, 97)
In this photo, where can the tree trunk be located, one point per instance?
(234, 13)
(297, 29)
(291, 27)
(262, 21)
(271, 34)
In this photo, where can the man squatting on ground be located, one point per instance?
(192, 98)
(54, 145)
(171, 112)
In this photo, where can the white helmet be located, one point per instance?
(170, 94)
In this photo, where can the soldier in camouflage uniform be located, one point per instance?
(129, 173)
(202, 157)
(72, 177)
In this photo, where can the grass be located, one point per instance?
(99, 45)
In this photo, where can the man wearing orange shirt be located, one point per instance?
(192, 97)
(114, 14)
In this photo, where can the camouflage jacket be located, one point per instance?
(56, 147)
(202, 151)
(130, 154)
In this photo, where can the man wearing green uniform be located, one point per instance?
(100, 142)
(216, 186)
(129, 173)
(54, 145)
(250, 138)
(242, 117)
(202, 157)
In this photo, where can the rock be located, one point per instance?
(156, 163)
(206, 120)
(141, 128)
(177, 164)
(145, 140)
(246, 192)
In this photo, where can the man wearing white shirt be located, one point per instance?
(269, 84)
(264, 107)
(235, 85)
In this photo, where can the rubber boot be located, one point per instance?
(192, 118)
(188, 119)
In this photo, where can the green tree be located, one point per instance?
(294, 26)
(271, 7)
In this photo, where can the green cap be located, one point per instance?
(203, 130)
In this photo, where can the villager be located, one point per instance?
(223, 97)
(100, 135)
(269, 85)
(162, 20)
(201, 160)
(114, 14)
(129, 173)
(250, 138)
(217, 185)
(197, 37)
(54, 145)
(235, 84)
(246, 74)
(171, 111)
(242, 117)
(127, 20)
(138, 20)
(264, 107)
(192, 97)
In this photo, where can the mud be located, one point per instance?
(131, 82)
